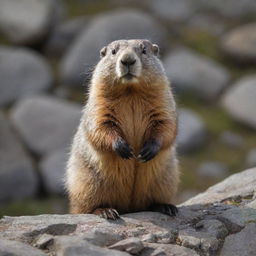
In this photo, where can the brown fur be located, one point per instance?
(97, 176)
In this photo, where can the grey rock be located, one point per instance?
(23, 72)
(215, 170)
(15, 248)
(131, 245)
(239, 101)
(18, 179)
(167, 249)
(232, 139)
(75, 246)
(240, 184)
(242, 243)
(189, 71)
(63, 35)
(252, 204)
(173, 10)
(236, 218)
(251, 158)
(28, 21)
(239, 43)
(191, 131)
(229, 8)
(45, 123)
(52, 169)
(199, 240)
(166, 237)
(44, 241)
(84, 52)
(213, 227)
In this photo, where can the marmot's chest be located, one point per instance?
(133, 118)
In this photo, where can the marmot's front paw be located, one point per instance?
(149, 150)
(107, 213)
(122, 148)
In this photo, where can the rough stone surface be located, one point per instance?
(28, 21)
(200, 228)
(191, 131)
(192, 72)
(240, 43)
(15, 248)
(23, 72)
(239, 101)
(237, 185)
(242, 243)
(52, 169)
(215, 170)
(45, 123)
(251, 158)
(84, 52)
(18, 179)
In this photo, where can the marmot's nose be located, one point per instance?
(128, 61)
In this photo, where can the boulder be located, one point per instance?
(18, 179)
(239, 101)
(202, 227)
(239, 43)
(46, 123)
(232, 139)
(28, 21)
(214, 170)
(52, 168)
(191, 131)
(119, 24)
(189, 71)
(23, 72)
(173, 10)
(63, 35)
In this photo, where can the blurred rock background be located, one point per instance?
(48, 49)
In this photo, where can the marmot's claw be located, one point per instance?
(122, 148)
(149, 150)
(168, 209)
(107, 213)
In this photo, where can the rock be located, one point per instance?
(239, 43)
(84, 52)
(130, 245)
(237, 185)
(229, 8)
(15, 248)
(236, 218)
(239, 101)
(74, 246)
(18, 179)
(44, 241)
(52, 168)
(23, 72)
(191, 131)
(232, 139)
(173, 10)
(192, 72)
(242, 243)
(213, 170)
(167, 249)
(63, 35)
(251, 158)
(45, 123)
(28, 21)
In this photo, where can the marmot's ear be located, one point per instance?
(103, 51)
(155, 49)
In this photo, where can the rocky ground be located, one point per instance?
(47, 49)
(220, 221)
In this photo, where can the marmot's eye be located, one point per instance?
(114, 51)
(144, 50)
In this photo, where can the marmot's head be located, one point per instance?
(129, 62)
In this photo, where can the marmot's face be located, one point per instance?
(129, 61)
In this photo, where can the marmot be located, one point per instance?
(123, 157)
